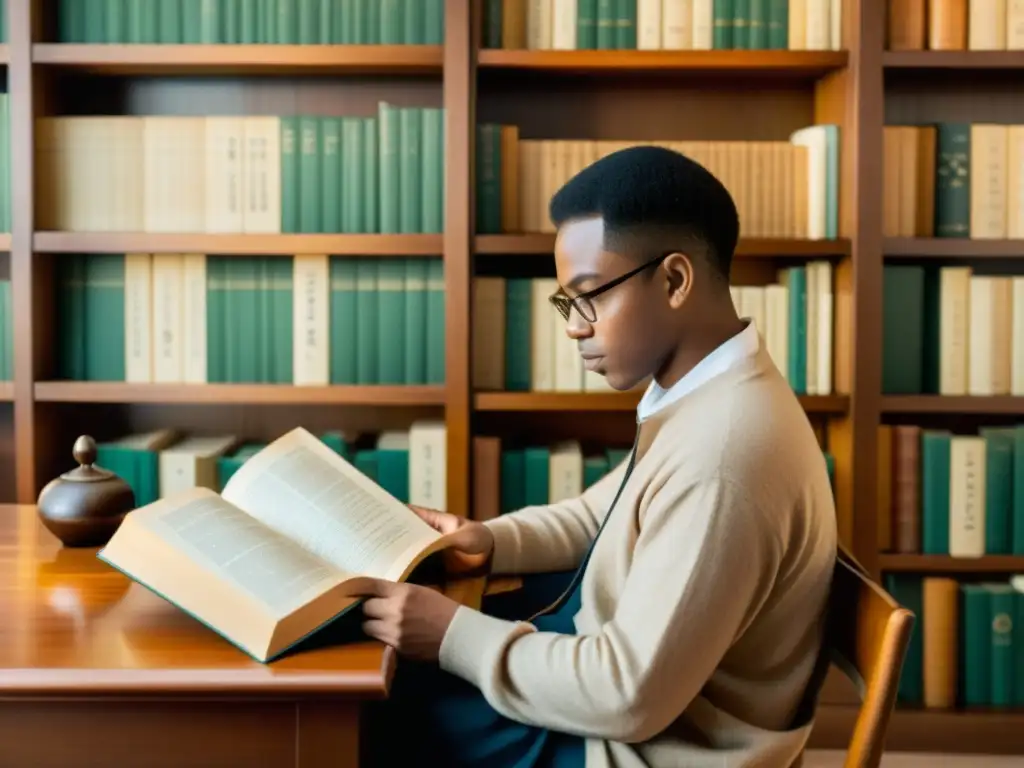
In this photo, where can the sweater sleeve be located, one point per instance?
(552, 537)
(704, 562)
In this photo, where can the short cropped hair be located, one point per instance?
(653, 199)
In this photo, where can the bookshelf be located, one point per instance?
(549, 95)
(950, 85)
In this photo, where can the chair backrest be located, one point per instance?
(868, 635)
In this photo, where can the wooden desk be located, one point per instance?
(97, 671)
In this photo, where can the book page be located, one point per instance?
(304, 490)
(252, 558)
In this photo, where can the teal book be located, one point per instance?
(281, 552)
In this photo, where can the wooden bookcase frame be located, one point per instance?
(848, 90)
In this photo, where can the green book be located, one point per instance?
(366, 321)
(322, 547)
(391, 322)
(390, 159)
(606, 16)
(518, 322)
(999, 480)
(280, 302)
(435, 322)
(1002, 612)
(903, 303)
(69, 299)
(722, 24)
(586, 25)
(291, 183)
(513, 480)
(410, 176)
(594, 468)
(104, 317)
(415, 314)
(953, 180)
(310, 174)
(935, 479)
(216, 327)
(330, 175)
(975, 689)
(488, 179)
(796, 373)
(432, 171)
(537, 475)
(343, 320)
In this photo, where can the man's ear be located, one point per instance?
(678, 268)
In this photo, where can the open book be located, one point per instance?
(280, 552)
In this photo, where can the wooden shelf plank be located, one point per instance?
(5, 54)
(946, 564)
(5, 241)
(945, 247)
(556, 401)
(544, 243)
(937, 731)
(256, 244)
(794, 64)
(609, 401)
(6, 391)
(242, 59)
(1008, 405)
(953, 59)
(234, 394)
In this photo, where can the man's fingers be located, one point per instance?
(375, 588)
(436, 520)
(428, 515)
(376, 608)
(379, 630)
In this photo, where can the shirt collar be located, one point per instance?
(731, 352)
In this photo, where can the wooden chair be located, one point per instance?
(868, 635)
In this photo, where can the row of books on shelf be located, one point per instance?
(967, 644)
(783, 189)
(520, 343)
(951, 331)
(953, 180)
(951, 492)
(158, 463)
(303, 22)
(235, 174)
(406, 463)
(512, 476)
(963, 25)
(192, 318)
(663, 24)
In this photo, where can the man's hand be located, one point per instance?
(472, 542)
(410, 618)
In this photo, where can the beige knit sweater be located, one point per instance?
(703, 600)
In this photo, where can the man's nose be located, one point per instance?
(576, 327)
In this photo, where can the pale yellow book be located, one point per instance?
(283, 550)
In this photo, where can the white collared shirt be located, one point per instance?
(729, 353)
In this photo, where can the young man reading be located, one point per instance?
(699, 569)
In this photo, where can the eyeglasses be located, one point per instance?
(582, 301)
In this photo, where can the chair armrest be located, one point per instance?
(471, 591)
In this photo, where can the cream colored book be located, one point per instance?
(282, 551)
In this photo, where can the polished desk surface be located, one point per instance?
(69, 624)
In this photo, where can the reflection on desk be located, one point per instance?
(69, 621)
(95, 670)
